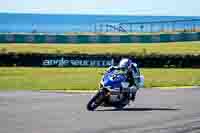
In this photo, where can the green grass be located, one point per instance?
(86, 78)
(147, 48)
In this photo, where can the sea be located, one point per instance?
(63, 23)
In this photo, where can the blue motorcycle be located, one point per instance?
(114, 91)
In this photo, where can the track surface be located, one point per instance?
(155, 111)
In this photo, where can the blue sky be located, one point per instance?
(123, 7)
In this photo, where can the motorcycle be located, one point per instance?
(114, 91)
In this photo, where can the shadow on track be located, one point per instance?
(141, 109)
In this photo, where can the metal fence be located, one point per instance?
(192, 25)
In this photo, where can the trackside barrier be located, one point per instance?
(44, 38)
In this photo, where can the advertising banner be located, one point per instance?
(76, 62)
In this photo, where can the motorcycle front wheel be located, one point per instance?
(96, 101)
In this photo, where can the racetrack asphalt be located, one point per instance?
(154, 111)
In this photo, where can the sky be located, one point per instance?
(106, 7)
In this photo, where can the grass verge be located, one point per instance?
(131, 49)
(87, 78)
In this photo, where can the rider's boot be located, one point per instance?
(133, 96)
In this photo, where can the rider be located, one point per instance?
(132, 72)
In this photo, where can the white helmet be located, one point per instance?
(125, 63)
